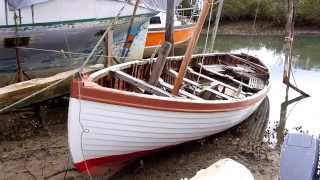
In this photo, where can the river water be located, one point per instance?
(301, 116)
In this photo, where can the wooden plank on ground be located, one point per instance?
(14, 92)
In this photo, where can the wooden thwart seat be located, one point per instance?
(182, 92)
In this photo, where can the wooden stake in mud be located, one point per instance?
(170, 24)
(191, 46)
(289, 37)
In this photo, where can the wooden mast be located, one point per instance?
(191, 46)
(170, 24)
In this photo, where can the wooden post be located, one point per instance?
(191, 46)
(160, 63)
(108, 48)
(170, 24)
(289, 37)
(19, 73)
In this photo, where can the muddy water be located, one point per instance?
(300, 116)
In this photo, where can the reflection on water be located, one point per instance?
(299, 115)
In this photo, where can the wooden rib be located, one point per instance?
(182, 92)
(224, 76)
(139, 83)
(188, 81)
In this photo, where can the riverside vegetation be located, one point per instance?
(274, 11)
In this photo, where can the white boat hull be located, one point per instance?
(109, 133)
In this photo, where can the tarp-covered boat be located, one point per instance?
(67, 26)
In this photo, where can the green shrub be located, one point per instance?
(307, 11)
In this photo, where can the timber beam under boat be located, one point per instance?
(15, 92)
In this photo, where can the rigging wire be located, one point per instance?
(217, 20)
(216, 25)
(72, 53)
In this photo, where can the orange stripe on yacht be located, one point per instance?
(156, 38)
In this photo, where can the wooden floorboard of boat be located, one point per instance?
(182, 92)
(223, 76)
(173, 72)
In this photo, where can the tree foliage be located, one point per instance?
(307, 11)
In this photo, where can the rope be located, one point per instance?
(69, 53)
(205, 44)
(216, 24)
(77, 70)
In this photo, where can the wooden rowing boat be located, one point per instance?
(127, 111)
(116, 115)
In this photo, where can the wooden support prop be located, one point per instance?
(170, 24)
(160, 63)
(193, 42)
(140, 84)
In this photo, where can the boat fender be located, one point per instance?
(224, 169)
(300, 157)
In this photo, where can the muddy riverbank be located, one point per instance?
(45, 155)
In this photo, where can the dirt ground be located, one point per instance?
(45, 156)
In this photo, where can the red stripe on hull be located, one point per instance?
(99, 166)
